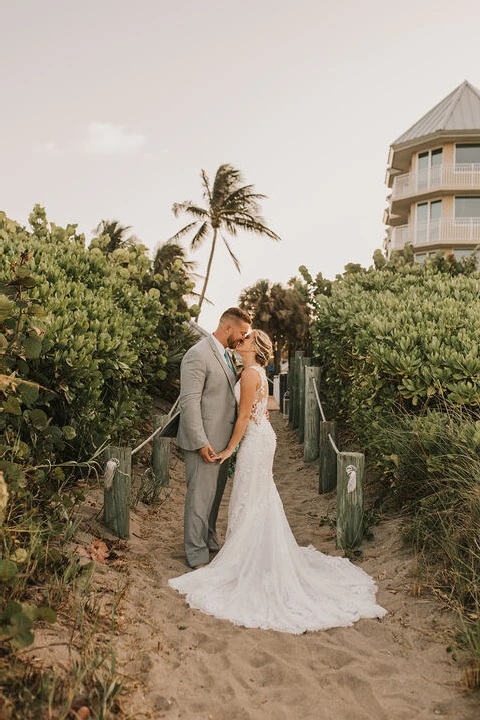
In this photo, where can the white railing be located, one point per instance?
(446, 230)
(461, 176)
(399, 237)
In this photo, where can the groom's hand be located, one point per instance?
(208, 454)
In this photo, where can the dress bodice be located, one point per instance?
(259, 407)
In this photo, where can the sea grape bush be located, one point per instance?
(104, 342)
(405, 337)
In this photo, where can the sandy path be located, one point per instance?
(179, 663)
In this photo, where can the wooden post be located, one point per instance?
(350, 475)
(301, 400)
(160, 458)
(296, 389)
(290, 386)
(328, 457)
(312, 415)
(116, 494)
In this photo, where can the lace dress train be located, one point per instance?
(261, 578)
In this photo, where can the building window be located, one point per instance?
(462, 252)
(429, 168)
(420, 257)
(427, 222)
(467, 207)
(467, 154)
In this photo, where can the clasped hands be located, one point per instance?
(209, 455)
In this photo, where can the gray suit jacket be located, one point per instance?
(207, 400)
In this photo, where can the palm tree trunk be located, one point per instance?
(207, 274)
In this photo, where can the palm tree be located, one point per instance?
(116, 234)
(231, 207)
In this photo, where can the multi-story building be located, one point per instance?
(434, 176)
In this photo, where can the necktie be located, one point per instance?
(228, 361)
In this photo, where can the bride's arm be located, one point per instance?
(249, 383)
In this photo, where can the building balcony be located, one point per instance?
(464, 177)
(445, 231)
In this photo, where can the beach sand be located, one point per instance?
(178, 663)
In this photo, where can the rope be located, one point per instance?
(159, 429)
(318, 401)
(332, 442)
(110, 470)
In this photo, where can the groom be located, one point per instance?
(207, 416)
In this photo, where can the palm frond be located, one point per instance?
(227, 179)
(183, 232)
(200, 235)
(250, 224)
(244, 197)
(236, 261)
(189, 208)
(207, 194)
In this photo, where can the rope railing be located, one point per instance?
(340, 471)
(118, 473)
(159, 429)
(318, 400)
(332, 442)
(324, 419)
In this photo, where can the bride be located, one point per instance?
(261, 578)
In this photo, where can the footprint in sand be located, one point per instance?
(260, 659)
(210, 645)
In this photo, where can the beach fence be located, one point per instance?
(118, 473)
(340, 471)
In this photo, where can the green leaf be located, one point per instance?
(68, 432)
(5, 307)
(42, 612)
(53, 433)
(38, 419)
(33, 347)
(12, 406)
(37, 310)
(8, 570)
(45, 613)
(27, 282)
(13, 472)
(28, 393)
(11, 609)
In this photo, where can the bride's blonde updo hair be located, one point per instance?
(263, 347)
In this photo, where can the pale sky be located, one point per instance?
(110, 109)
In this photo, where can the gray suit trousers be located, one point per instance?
(205, 485)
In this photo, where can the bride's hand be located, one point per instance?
(224, 455)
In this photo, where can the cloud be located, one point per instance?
(49, 147)
(106, 138)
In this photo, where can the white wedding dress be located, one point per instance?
(261, 578)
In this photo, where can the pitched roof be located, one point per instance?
(458, 111)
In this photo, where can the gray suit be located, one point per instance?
(207, 416)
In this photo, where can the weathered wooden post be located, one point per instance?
(306, 361)
(312, 415)
(299, 355)
(160, 457)
(327, 469)
(290, 387)
(116, 493)
(350, 475)
(291, 365)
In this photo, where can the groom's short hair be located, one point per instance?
(235, 313)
